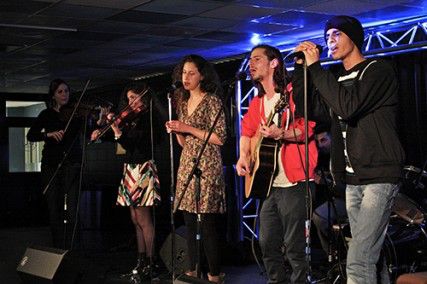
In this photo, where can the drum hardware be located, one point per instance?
(408, 210)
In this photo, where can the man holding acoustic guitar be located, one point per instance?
(272, 158)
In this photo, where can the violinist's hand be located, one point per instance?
(95, 134)
(57, 135)
(103, 112)
(177, 126)
(114, 125)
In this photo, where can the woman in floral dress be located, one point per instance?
(198, 104)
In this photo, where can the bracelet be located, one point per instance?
(117, 137)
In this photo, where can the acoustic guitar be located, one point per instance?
(264, 152)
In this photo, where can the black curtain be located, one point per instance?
(412, 119)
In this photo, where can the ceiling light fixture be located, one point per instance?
(38, 27)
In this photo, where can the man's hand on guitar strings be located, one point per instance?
(242, 166)
(271, 131)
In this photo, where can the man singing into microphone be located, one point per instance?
(362, 98)
(283, 212)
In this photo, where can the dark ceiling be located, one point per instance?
(112, 41)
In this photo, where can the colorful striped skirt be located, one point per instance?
(139, 186)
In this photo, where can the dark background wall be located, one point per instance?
(23, 205)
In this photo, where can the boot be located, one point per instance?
(139, 267)
(141, 262)
(150, 270)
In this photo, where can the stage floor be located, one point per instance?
(98, 263)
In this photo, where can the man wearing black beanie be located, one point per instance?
(360, 101)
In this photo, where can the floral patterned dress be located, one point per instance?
(212, 186)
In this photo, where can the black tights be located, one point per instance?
(65, 183)
(209, 240)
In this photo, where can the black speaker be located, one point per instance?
(181, 252)
(183, 279)
(46, 265)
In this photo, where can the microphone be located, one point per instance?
(242, 75)
(176, 85)
(300, 54)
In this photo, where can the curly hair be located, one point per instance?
(210, 83)
(53, 86)
(280, 75)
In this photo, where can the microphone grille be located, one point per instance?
(241, 75)
(177, 85)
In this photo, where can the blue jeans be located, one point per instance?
(368, 208)
(282, 219)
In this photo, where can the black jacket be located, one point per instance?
(366, 98)
(137, 139)
(50, 120)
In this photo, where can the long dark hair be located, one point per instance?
(280, 75)
(53, 86)
(210, 83)
(137, 88)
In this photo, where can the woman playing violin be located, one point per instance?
(139, 187)
(64, 186)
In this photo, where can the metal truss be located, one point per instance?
(392, 37)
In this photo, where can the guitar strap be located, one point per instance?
(279, 114)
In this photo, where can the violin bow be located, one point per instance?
(139, 96)
(104, 129)
(76, 106)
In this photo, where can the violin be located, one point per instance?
(127, 115)
(81, 111)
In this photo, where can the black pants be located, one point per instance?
(282, 229)
(209, 240)
(62, 193)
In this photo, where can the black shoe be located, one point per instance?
(149, 272)
(135, 278)
(137, 270)
(132, 277)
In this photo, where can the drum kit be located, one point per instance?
(405, 247)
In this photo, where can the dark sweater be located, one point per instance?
(366, 98)
(136, 138)
(136, 133)
(50, 120)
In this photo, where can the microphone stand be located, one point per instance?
(307, 182)
(172, 190)
(197, 173)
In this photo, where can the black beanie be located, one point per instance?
(350, 26)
